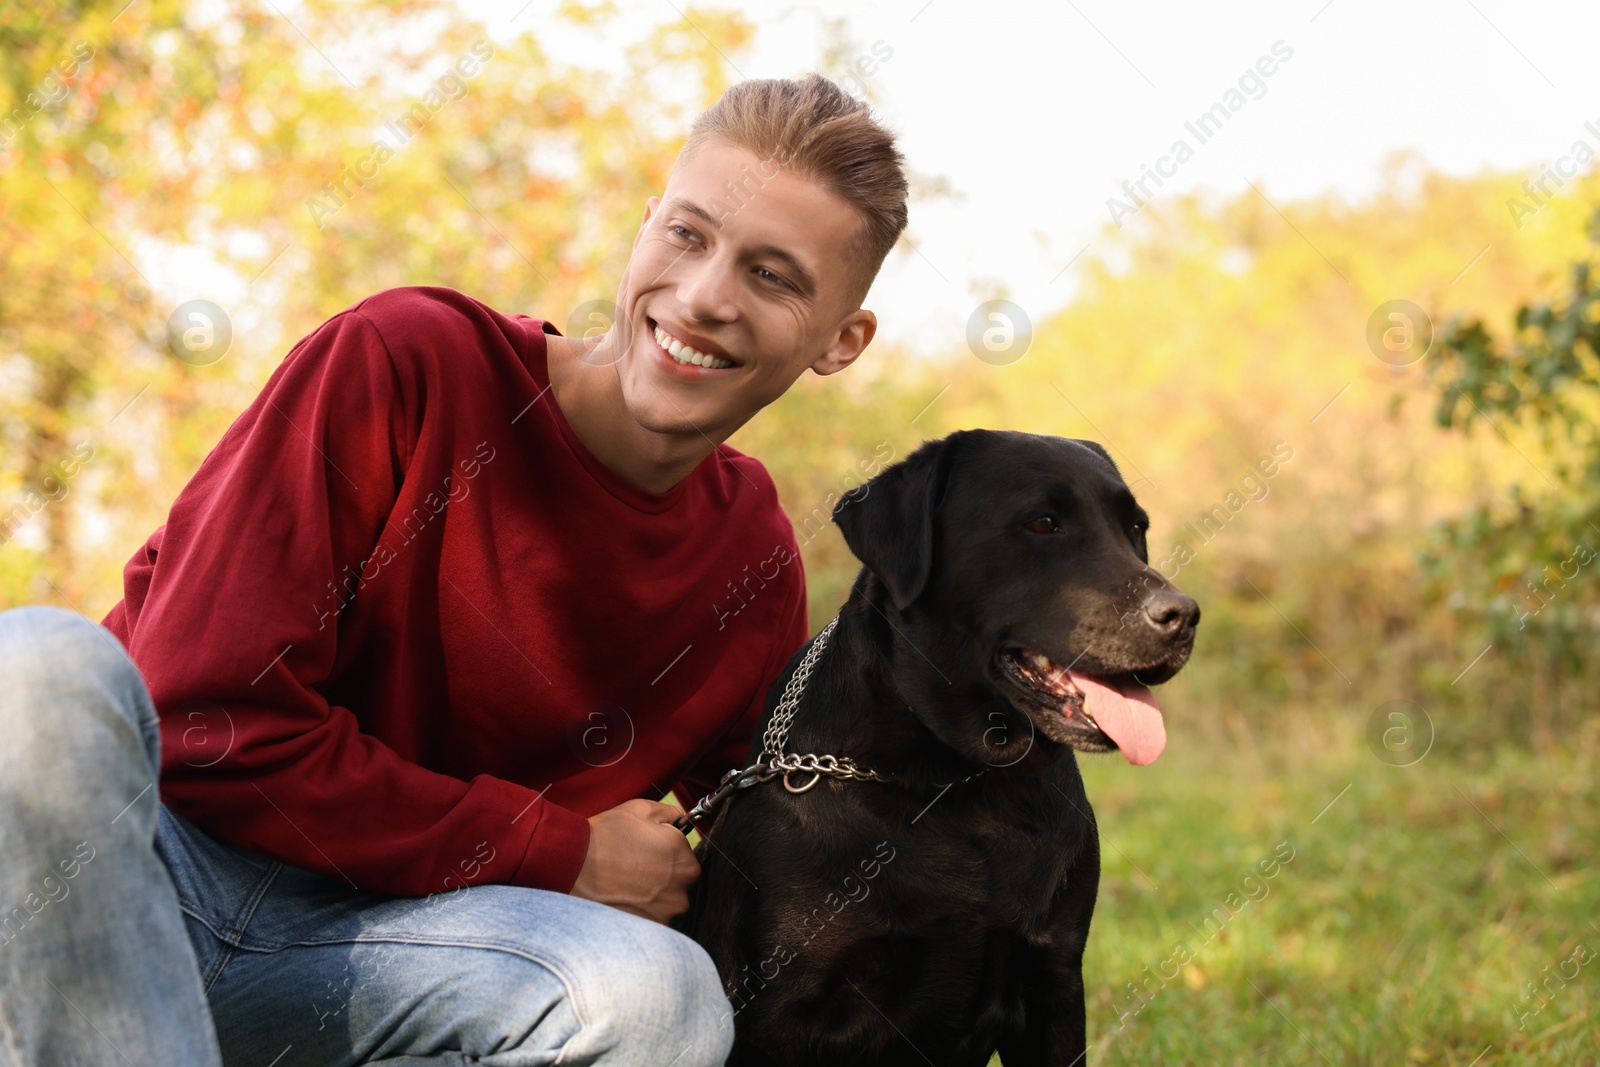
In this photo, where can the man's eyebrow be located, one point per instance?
(804, 281)
(679, 204)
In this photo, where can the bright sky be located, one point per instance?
(1035, 113)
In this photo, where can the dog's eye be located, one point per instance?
(1044, 524)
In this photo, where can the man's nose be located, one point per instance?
(706, 290)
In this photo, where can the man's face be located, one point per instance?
(752, 267)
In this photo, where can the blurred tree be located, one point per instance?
(1533, 557)
(73, 304)
(247, 139)
(1212, 329)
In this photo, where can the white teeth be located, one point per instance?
(684, 354)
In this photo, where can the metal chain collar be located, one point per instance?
(774, 762)
(772, 741)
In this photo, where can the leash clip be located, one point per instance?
(736, 779)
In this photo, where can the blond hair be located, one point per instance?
(827, 136)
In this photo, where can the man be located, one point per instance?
(421, 642)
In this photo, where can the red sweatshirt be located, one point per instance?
(403, 629)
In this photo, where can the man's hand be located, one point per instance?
(638, 861)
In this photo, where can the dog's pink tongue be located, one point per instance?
(1128, 716)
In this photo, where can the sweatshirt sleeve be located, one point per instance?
(732, 750)
(220, 616)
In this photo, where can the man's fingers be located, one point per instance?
(636, 868)
(656, 811)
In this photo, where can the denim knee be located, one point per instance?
(73, 707)
(663, 993)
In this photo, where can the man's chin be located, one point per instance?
(669, 424)
(664, 406)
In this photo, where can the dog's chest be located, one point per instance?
(963, 871)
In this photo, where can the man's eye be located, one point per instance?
(767, 275)
(682, 232)
(1044, 524)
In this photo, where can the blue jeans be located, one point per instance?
(130, 937)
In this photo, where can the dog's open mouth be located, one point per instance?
(1098, 713)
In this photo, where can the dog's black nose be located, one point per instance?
(1171, 612)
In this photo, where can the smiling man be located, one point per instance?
(420, 644)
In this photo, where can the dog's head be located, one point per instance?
(1015, 567)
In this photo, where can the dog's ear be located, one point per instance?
(888, 522)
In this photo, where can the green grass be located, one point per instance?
(1402, 931)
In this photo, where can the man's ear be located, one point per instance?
(889, 522)
(854, 336)
(650, 206)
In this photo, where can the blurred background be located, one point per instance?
(1318, 274)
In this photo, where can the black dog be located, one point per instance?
(1005, 616)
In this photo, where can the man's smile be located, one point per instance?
(688, 350)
